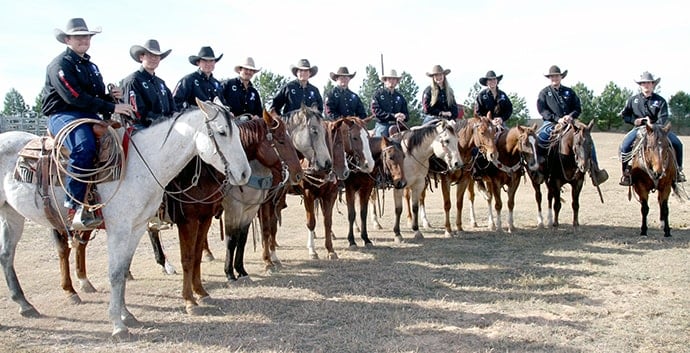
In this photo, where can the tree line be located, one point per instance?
(603, 108)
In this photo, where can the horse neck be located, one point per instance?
(509, 145)
(252, 135)
(423, 151)
(337, 148)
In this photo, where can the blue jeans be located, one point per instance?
(381, 129)
(543, 136)
(629, 139)
(82, 146)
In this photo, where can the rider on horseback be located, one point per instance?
(341, 101)
(389, 106)
(640, 108)
(438, 99)
(559, 104)
(74, 89)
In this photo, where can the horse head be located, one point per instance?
(580, 138)
(392, 160)
(527, 145)
(657, 150)
(336, 131)
(356, 141)
(219, 142)
(445, 144)
(309, 137)
(483, 136)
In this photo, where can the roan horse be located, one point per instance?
(476, 132)
(388, 171)
(517, 150)
(419, 144)
(568, 160)
(162, 151)
(653, 169)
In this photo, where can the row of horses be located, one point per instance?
(202, 174)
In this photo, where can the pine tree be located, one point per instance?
(14, 104)
(409, 89)
(269, 84)
(370, 84)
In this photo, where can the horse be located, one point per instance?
(517, 150)
(476, 132)
(568, 160)
(162, 150)
(309, 136)
(419, 144)
(388, 171)
(653, 169)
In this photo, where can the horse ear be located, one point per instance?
(368, 119)
(534, 126)
(667, 127)
(591, 123)
(204, 106)
(268, 119)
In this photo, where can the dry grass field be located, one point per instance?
(599, 289)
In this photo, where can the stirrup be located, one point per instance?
(626, 180)
(680, 177)
(599, 176)
(85, 219)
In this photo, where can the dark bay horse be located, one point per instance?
(388, 172)
(653, 169)
(517, 150)
(476, 132)
(568, 161)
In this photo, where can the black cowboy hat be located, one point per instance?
(303, 64)
(75, 27)
(390, 74)
(438, 69)
(205, 53)
(648, 77)
(489, 75)
(150, 46)
(555, 70)
(342, 71)
(247, 64)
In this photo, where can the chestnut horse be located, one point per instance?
(653, 169)
(474, 133)
(388, 171)
(517, 150)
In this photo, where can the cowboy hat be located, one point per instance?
(151, 46)
(489, 75)
(205, 53)
(342, 71)
(75, 27)
(437, 69)
(247, 64)
(390, 74)
(648, 77)
(303, 64)
(555, 70)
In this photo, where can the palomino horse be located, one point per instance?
(310, 139)
(476, 132)
(568, 160)
(653, 169)
(517, 149)
(162, 150)
(388, 170)
(349, 141)
(419, 144)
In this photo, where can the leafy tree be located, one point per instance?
(268, 84)
(38, 104)
(471, 99)
(14, 103)
(608, 106)
(409, 89)
(520, 112)
(370, 84)
(679, 107)
(587, 99)
(328, 88)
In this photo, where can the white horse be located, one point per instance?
(419, 144)
(157, 155)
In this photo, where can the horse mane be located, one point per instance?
(416, 136)
(252, 131)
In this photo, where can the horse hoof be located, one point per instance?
(352, 247)
(511, 229)
(399, 239)
(426, 225)
(30, 313)
(540, 225)
(244, 280)
(332, 256)
(475, 225)
(169, 269)
(121, 335)
(131, 321)
(208, 257)
(448, 234)
(86, 286)
(418, 235)
(73, 299)
(193, 309)
(314, 256)
(371, 245)
(205, 300)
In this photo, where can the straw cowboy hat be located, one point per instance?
(342, 71)
(438, 69)
(247, 64)
(303, 64)
(205, 53)
(75, 27)
(555, 70)
(151, 46)
(390, 74)
(489, 75)
(648, 77)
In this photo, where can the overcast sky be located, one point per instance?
(596, 41)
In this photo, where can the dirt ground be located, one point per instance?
(599, 289)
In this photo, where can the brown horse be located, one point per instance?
(517, 150)
(653, 169)
(388, 171)
(568, 161)
(476, 133)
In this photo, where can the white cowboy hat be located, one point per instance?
(247, 64)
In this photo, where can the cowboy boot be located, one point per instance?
(680, 176)
(599, 176)
(626, 179)
(85, 219)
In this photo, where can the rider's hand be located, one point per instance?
(399, 116)
(124, 109)
(565, 120)
(116, 92)
(497, 121)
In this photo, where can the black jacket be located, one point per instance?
(196, 85)
(441, 104)
(384, 105)
(553, 103)
(639, 106)
(500, 106)
(148, 95)
(241, 100)
(343, 102)
(292, 95)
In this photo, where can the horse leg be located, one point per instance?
(498, 204)
(445, 191)
(460, 189)
(491, 225)
(121, 249)
(363, 210)
(207, 254)
(511, 203)
(239, 255)
(644, 195)
(469, 185)
(311, 223)
(415, 197)
(231, 241)
(65, 280)
(327, 204)
(409, 207)
(267, 224)
(11, 228)
(373, 197)
(555, 197)
(663, 208)
(80, 264)
(159, 253)
(577, 188)
(397, 198)
(537, 198)
(190, 251)
(351, 215)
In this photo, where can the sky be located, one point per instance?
(596, 41)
